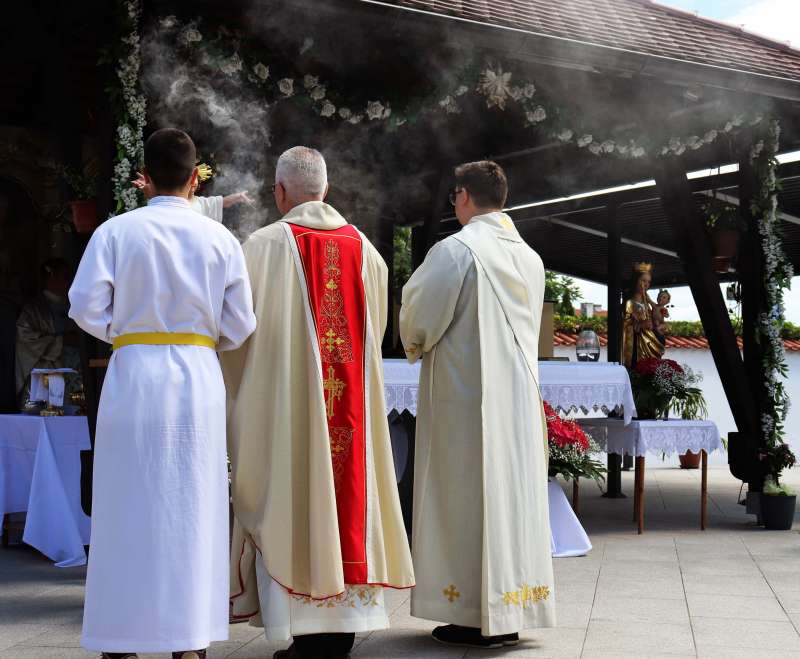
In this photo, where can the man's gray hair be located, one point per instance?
(302, 171)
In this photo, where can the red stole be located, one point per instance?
(332, 267)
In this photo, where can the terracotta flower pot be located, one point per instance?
(777, 511)
(84, 215)
(689, 460)
(726, 244)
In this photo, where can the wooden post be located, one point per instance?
(744, 446)
(694, 248)
(640, 465)
(440, 203)
(614, 305)
(703, 490)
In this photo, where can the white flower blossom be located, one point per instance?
(728, 127)
(309, 81)
(231, 65)
(595, 148)
(585, 140)
(623, 149)
(356, 119)
(168, 22)
(515, 93)
(565, 135)
(387, 112)
(375, 110)
(463, 89)
(189, 35)
(286, 86)
(528, 90)
(539, 114)
(608, 146)
(345, 113)
(710, 136)
(318, 93)
(328, 109)
(449, 105)
(694, 142)
(261, 70)
(495, 86)
(738, 120)
(638, 152)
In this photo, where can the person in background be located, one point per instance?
(212, 207)
(46, 336)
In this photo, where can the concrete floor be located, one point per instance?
(731, 591)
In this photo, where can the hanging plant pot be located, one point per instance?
(689, 460)
(726, 245)
(777, 511)
(84, 215)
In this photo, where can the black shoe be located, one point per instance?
(288, 653)
(470, 637)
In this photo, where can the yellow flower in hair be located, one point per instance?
(204, 172)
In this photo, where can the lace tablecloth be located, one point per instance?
(640, 437)
(567, 386)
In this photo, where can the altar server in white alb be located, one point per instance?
(168, 287)
(481, 534)
(319, 532)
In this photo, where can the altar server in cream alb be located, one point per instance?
(168, 287)
(481, 530)
(319, 530)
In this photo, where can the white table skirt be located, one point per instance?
(40, 473)
(567, 537)
(641, 437)
(567, 386)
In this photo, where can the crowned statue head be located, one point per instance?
(641, 279)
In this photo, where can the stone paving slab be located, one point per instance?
(731, 591)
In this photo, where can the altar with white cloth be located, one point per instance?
(40, 472)
(660, 437)
(567, 386)
(565, 383)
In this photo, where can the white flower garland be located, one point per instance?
(133, 114)
(777, 275)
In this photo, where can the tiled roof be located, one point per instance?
(641, 26)
(567, 339)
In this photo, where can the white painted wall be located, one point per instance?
(719, 410)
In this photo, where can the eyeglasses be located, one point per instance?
(454, 195)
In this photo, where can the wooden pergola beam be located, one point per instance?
(696, 255)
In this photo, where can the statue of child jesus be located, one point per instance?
(660, 314)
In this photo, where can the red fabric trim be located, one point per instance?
(332, 262)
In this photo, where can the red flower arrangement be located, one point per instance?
(570, 448)
(648, 367)
(563, 432)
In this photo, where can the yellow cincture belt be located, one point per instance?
(163, 339)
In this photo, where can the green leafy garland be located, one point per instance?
(777, 278)
(130, 107)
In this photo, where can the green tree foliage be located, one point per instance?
(402, 256)
(563, 291)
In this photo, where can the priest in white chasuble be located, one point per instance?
(168, 287)
(481, 532)
(319, 532)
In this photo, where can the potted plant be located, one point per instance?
(778, 500)
(724, 223)
(661, 385)
(84, 205)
